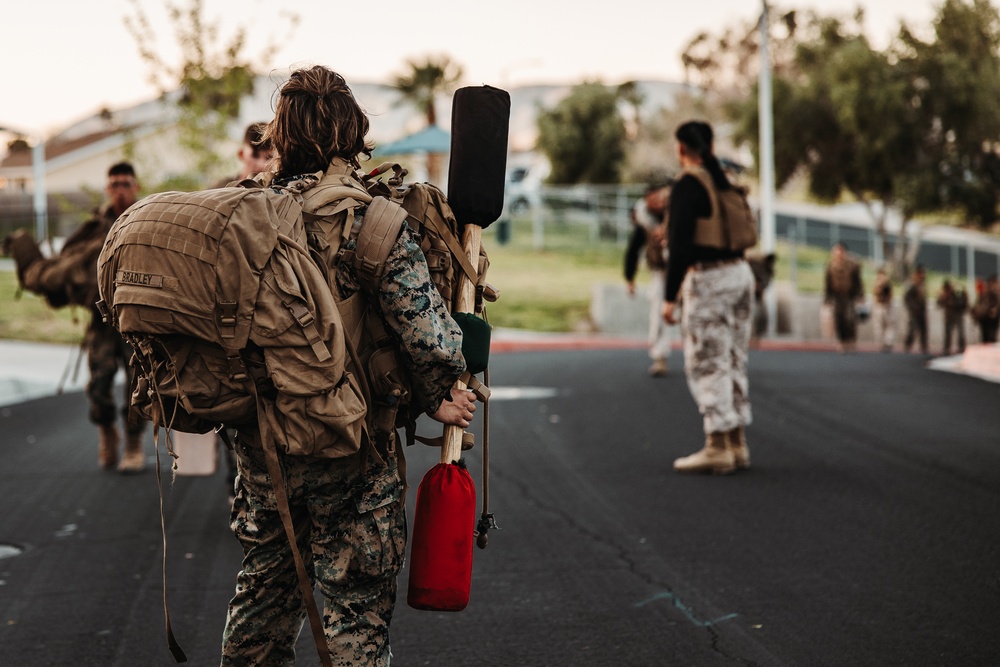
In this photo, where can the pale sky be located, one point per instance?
(62, 60)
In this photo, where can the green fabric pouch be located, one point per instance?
(475, 341)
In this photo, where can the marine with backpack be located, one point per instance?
(300, 310)
(69, 278)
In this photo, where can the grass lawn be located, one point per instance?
(540, 290)
(27, 316)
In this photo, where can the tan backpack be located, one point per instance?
(732, 224)
(232, 290)
(223, 305)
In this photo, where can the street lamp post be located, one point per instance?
(39, 194)
(765, 111)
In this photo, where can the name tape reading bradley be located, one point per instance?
(137, 278)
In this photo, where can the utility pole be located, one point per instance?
(766, 166)
(39, 193)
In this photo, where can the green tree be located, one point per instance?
(913, 128)
(420, 85)
(957, 81)
(212, 79)
(425, 80)
(727, 64)
(583, 136)
(846, 121)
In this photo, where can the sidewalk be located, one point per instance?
(32, 370)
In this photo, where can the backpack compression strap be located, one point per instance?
(264, 415)
(379, 229)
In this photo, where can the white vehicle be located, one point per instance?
(524, 182)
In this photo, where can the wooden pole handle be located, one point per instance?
(472, 238)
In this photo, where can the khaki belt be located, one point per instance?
(714, 264)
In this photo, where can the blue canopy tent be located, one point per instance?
(426, 145)
(428, 140)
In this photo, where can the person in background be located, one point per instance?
(717, 288)
(843, 289)
(762, 267)
(915, 302)
(254, 155)
(986, 312)
(882, 313)
(953, 304)
(649, 235)
(71, 277)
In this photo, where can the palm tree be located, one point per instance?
(421, 85)
(629, 92)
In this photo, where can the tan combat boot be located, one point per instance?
(135, 458)
(659, 368)
(738, 446)
(714, 458)
(107, 446)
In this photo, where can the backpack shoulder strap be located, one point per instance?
(331, 196)
(375, 236)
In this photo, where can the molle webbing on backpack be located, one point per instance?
(218, 289)
(165, 237)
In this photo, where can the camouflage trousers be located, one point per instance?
(885, 328)
(351, 532)
(107, 351)
(660, 333)
(845, 319)
(716, 323)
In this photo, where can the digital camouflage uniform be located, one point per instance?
(843, 288)
(717, 323)
(645, 224)
(915, 301)
(882, 315)
(64, 281)
(953, 303)
(349, 514)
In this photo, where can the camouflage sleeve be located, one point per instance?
(431, 341)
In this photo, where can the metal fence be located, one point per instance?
(567, 216)
(975, 256)
(574, 216)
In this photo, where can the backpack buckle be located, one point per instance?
(237, 369)
(227, 319)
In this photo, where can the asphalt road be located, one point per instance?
(867, 531)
